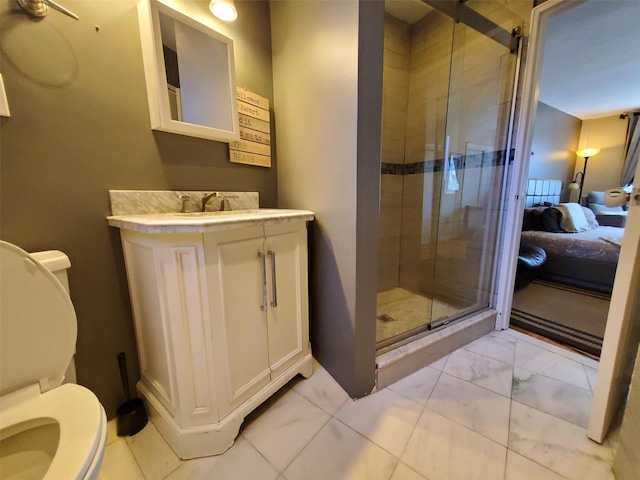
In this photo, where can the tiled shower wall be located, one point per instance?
(397, 50)
(426, 120)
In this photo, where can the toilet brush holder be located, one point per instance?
(131, 416)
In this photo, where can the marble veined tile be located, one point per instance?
(521, 468)
(477, 408)
(441, 449)
(322, 390)
(338, 452)
(497, 345)
(402, 472)
(282, 431)
(131, 202)
(544, 362)
(154, 455)
(557, 444)
(480, 370)
(112, 431)
(119, 463)
(241, 462)
(417, 386)
(560, 399)
(592, 375)
(385, 418)
(563, 352)
(440, 363)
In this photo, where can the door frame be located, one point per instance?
(620, 339)
(520, 170)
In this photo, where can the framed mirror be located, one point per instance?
(190, 73)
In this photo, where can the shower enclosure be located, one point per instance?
(447, 115)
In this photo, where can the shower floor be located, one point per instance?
(400, 310)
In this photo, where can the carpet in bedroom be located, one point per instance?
(566, 314)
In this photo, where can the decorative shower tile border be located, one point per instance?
(494, 159)
(134, 202)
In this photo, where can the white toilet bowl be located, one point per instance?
(47, 430)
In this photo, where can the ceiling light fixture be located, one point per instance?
(224, 10)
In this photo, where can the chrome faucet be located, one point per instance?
(206, 198)
(225, 206)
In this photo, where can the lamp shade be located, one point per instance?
(224, 10)
(587, 152)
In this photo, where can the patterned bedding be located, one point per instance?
(598, 244)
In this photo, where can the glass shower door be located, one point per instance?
(448, 89)
(469, 186)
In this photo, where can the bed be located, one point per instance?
(586, 259)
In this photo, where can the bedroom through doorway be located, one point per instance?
(567, 298)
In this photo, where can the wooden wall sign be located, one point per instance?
(254, 146)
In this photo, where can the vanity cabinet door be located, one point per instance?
(287, 320)
(235, 275)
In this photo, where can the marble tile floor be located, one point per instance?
(507, 406)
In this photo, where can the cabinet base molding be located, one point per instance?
(214, 438)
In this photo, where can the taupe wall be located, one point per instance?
(79, 126)
(327, 59)
(555, 140)
(604, 169)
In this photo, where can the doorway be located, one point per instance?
(622, 333)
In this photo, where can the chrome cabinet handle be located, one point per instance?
(263, 264)
(272, 255)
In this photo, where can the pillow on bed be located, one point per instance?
(550, 220)
(531, 220)
(573, 218)
(591, 217)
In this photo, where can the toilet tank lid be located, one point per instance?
(54, 260)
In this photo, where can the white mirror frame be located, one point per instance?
(155, 74)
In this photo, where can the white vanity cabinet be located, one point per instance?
(221, 320)
(258, 302)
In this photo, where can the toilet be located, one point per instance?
(48, 429)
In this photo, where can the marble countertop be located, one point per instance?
(198, 222)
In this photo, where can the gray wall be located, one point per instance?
(79, 126)
(327, 65)
(555, 140)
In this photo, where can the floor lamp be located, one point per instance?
(586, 153)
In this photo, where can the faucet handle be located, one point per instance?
(185, 202)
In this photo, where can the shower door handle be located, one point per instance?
(445, 167)
(447, 141)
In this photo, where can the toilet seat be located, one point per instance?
(38, 323)
(38, 330)
(81, 419)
